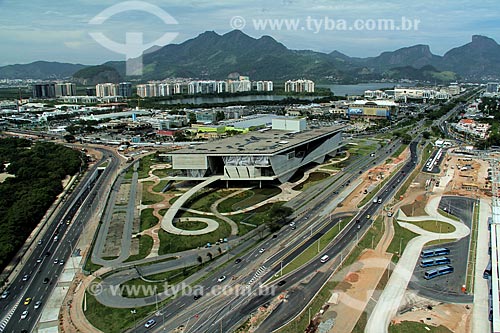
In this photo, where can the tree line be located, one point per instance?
(38, 170)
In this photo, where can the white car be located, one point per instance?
(150, 323)
(24, 314)
(222, 278)
(37, 304)
(262, 250)
(56, 261)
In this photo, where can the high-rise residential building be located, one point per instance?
(65, 89)
(125, 89)
(106, 89)
(299, 86)
(44, 90)
(492, 87)
(262, 85)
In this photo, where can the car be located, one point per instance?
(292, 224)
(368, 216)
(389, 214)
(40, 242)
(39, 260)
(56, 261)
(24, 314)
(47, 253)
(150, 323)
(37, 304)
(61, 262)
(294, 227)
(237, 261)
(26, 277)
(56, 238)
(46, 280)
(275, 236)
(197, 296)
(27, 301)
(5, 294)
(282, 282)
(262, 250)
(222, 278)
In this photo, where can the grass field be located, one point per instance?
(204, 199)
(162, 173)
(414, 327)
(314, 178)
(149, 198)
(170, 243)
(191, 225)
(433, 226)
(312, 250)
(148, 220)
(113, 320)
(145, 246)
(247, 199)
(257, 217)
(160, 186)
(401, 238)
(144, 289)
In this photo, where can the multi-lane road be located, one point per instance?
(40, 272)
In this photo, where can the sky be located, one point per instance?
(72, 31)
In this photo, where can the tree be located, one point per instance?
(210, 256)
(69, 138)
(179, 136)
(192, 118)
(200, 260)
(219, 115)
(426, 135)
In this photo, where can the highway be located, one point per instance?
(40, 267)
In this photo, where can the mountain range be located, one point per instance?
(214, 56)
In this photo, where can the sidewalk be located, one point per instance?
(480, 322)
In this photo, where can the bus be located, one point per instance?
(487, 271)
(435, 261)
(440, 251)
(443, 270)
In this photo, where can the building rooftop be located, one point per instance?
(263, 142)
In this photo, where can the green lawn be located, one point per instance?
(399, 151)
(414, 327)
(439, 242)
(401, 238)
(433, 226)
(145, 165)
(162, 173)
(191, 225)
(257, 217)
(145, 246)
(204, 199)
(148, 220)
(114, 320)
(149, 198)
(163, 280)
(247, 199)
(129, 173)
(363, 147)
(314, 177)
(312, 250)
(160, 186)
(170, 243)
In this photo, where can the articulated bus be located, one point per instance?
(443, 270)
(435, 261)
(440, 251)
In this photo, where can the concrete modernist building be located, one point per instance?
(262, 155)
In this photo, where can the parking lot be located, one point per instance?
(448, 287)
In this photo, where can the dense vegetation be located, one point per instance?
(39, 169)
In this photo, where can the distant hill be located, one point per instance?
(40, 70)
(214, 56)
(479, 58)
(97, 74)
